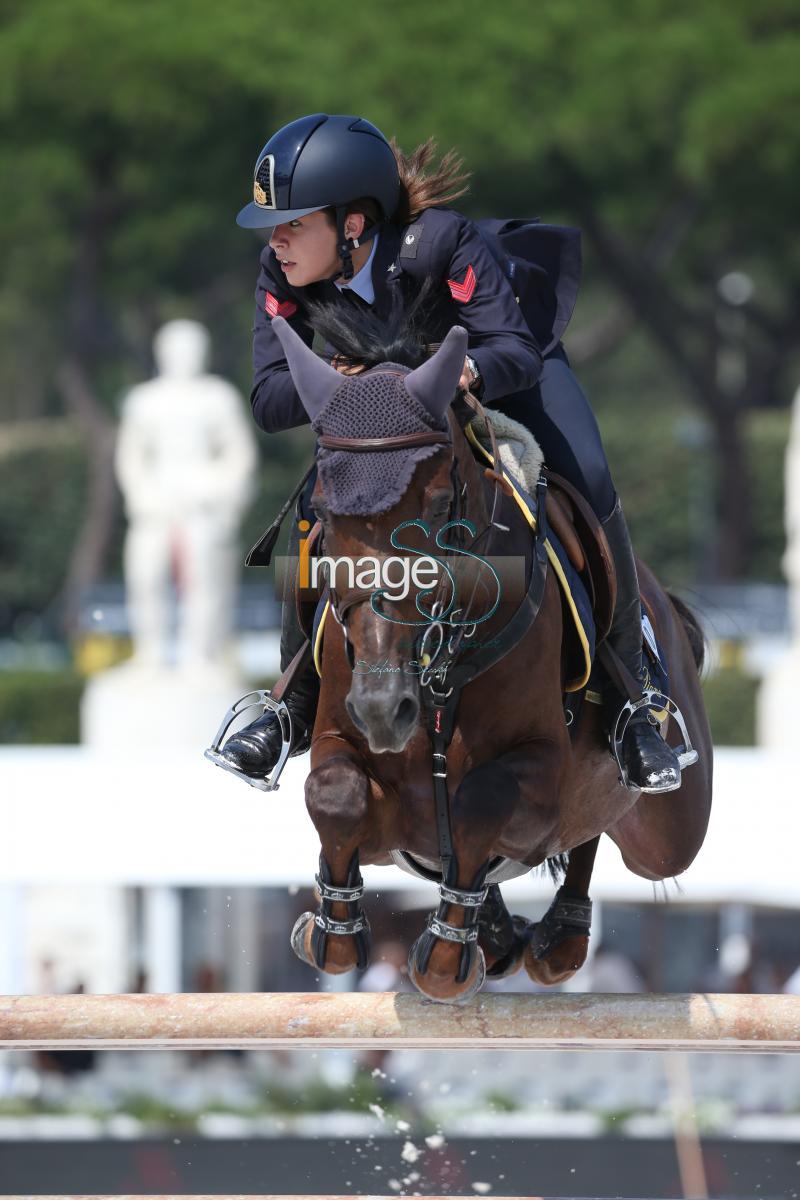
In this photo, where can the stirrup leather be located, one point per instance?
(284, 718)
(650, 698)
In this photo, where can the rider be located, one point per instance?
(349, 212)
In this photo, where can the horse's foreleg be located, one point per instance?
(559, 942)
(446, 962)
(503, 937)
(336, 938)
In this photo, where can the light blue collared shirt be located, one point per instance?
(361, 283)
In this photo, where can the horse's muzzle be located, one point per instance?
(385, 709)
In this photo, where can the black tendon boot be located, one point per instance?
(650, 764)
(255, 749)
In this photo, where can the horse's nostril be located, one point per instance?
(406, 711)
(354, 717)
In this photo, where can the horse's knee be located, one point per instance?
(337, 791)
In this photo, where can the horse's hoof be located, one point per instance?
(301, 938)
(559, 963)
(443, 989)
(510, 963)
(341, 955)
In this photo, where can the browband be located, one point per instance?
(402, 441)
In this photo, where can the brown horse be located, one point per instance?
(512, 787)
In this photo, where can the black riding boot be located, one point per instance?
(650, 764)
(254, 750)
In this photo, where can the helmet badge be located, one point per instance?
(264, 182)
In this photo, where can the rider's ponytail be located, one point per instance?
(421, 189)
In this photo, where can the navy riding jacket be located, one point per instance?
(524, 373)
(474, 291)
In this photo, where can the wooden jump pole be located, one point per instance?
(565, 1021)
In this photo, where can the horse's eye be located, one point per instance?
(439, 505)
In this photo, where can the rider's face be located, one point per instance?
(306, 249)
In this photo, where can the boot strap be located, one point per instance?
(452, 933)
(467, 899)
(328, 892)
(343, 928)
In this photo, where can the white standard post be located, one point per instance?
(162, 939)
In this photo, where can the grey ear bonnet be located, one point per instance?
(375, 404)
(384, 402)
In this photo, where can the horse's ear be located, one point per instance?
(314, 379)
(434, 383)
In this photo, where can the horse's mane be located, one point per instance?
(363, 338)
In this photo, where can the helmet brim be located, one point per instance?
(253, 216)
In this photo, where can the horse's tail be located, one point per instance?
(697, 639)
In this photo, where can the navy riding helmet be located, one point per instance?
(323, 161)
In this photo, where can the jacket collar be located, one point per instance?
(386, 268)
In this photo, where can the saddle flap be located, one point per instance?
(582, 536)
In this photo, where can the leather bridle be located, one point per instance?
(341, 605)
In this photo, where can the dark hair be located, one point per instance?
(419, 188)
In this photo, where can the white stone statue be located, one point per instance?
(185, 461)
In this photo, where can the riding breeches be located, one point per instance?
(558, 415)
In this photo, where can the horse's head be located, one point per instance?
(385, 488)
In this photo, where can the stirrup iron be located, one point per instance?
(284, 718)
(650, 698)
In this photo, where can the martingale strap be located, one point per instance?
(442, 690)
